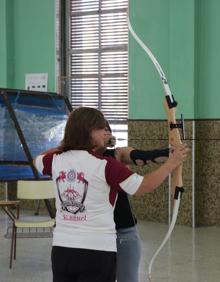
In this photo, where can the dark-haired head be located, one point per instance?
(108, 126)
(81, 122)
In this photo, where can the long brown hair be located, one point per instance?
(107, 125)
(81, 122)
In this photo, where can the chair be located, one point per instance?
(31, 190)
(8, 206)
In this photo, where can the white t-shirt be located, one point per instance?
(86, 187)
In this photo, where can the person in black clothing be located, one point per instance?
(128, 240)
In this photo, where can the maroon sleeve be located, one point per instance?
(115, 173)
(47, 164)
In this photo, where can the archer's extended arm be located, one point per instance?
(129, 155)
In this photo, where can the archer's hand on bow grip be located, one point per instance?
(174, 140)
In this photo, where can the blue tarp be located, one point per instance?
(42, 121)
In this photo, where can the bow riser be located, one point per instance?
(174, 140)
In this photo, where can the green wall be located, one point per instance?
(184, 37)
(27, 34)
(208, 59)
(3, 45)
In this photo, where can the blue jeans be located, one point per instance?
(128, 254)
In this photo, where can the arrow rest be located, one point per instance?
(180, 125)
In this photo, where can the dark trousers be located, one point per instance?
(82, 265)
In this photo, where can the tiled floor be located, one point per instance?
(190, 255)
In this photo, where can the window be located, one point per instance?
(98, 59)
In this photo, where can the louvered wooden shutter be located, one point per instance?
(98, 57)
